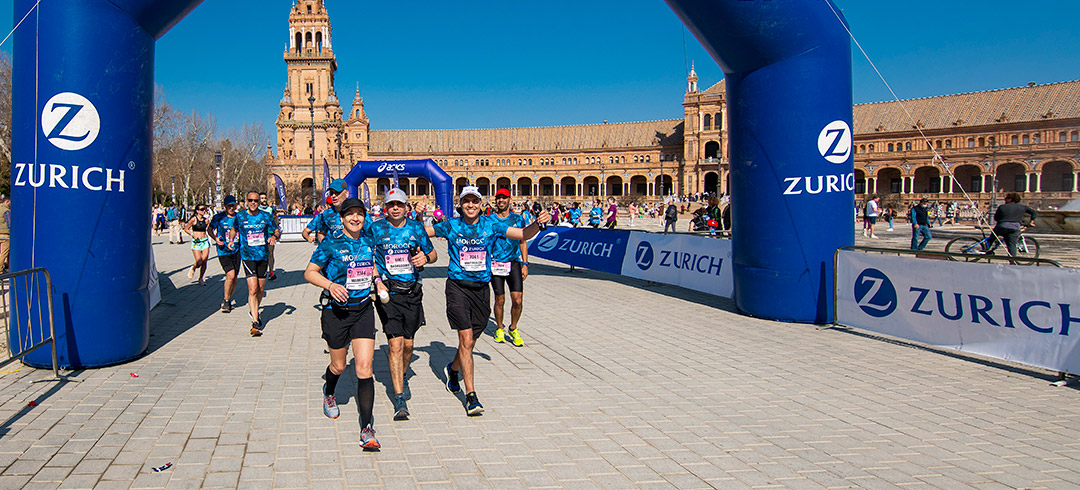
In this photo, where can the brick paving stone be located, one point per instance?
(596, 399)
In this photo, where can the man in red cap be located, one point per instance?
(509, 268)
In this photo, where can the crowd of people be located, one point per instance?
(361, 255)
(1009, 218)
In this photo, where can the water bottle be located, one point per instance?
(412, 252)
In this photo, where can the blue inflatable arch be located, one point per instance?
(81, 158)
(428, 169)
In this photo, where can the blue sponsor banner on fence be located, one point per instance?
(600, 250)
(694, 262)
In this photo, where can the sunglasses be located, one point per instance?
(252, 200)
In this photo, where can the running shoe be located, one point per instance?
(472, 405)
(500, 335)
(407, 392)
(226, 306)
(329, 406)
(515, 335)
(272, 276)
(256, 329)
(451, 379)
(401, 409)
(191, 273)
(368, 440)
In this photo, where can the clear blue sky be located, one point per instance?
(429, 64)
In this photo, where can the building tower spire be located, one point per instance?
(691, 80)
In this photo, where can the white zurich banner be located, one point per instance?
(1017, 313)
(690, 261)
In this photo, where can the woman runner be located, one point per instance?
(200, 243)
(348, 264)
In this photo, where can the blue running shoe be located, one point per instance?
(451, 379)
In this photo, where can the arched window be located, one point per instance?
(937, 144)
(1062, 137)
(307, 40)
(891, 147)
(299, 41)
(982, 141)
(907, 146)
(318, 42)
(948, 143)
(862, 148)
(647, 158)
(1074, 136)
(1014, 140)
(1036, 138)
(718, 122)
(1027, 140)
(971, 142)
(708, 122)
(870, 148)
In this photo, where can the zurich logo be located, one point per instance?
(548, 242)
(69, 121)
(834, 142)
(875, 294)
(643, 256)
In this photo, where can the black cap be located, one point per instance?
(352, 202)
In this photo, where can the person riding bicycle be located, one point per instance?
(1009, 220)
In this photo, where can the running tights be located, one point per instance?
(365, 400)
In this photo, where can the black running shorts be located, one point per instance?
(403, 315)
(342, 324)
(229, 263)
(515, 281)
(255, 268)
(468, 306)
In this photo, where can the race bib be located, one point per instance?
(256, 239)
(473, 260)
(500, 268)
(398, 264)
(358, 278)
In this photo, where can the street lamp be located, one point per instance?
(314, 189)
(174, 191)
(993, 173)
(603, 183)
(217, 171)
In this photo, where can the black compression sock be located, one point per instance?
(365, 400)
(331, 382)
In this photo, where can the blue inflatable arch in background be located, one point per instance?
(81, 158)
(428, 169)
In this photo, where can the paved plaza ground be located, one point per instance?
(621, 384)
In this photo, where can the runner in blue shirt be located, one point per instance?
(401, 245)
(575, 215)
(595, 214)
(257, 229)
(264, 205)
(345, 266)
(509, 268)
(222, 231)
(328, 222)
(470, 239)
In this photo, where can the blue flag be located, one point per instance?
(367, 197)
(280, 192)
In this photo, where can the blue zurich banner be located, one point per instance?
(599, 250)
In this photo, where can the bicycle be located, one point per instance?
(976, 249)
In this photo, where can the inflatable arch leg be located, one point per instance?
(428, 169)
(790, 141)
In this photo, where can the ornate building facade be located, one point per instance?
(1024, 139)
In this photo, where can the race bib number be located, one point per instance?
(256, 238)
(398, 264)
(473, 260)
(358, 278)
(500, 268)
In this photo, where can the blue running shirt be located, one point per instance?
(348, 262)
(255, 231)
(392, 246)
(222, 223)
(469, 247)
(328, 223)
(595, 214)
(505, 249)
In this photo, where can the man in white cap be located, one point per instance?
(470, 239)
(401, 246)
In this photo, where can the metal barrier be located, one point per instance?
(293, 225)
(25, 289)
(928, 254)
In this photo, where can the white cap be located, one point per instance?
(470, 190)
(395, 195)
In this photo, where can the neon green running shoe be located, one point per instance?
(516, 337)
(500, 336)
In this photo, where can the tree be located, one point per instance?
(5, 123)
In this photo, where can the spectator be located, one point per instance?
(671, 215)
(1009, 220)
(920, 225)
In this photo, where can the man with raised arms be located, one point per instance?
(470, 239)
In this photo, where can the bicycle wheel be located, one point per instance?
(972, 248)
(1027, 248)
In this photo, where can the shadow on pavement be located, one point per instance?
(38, 401)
